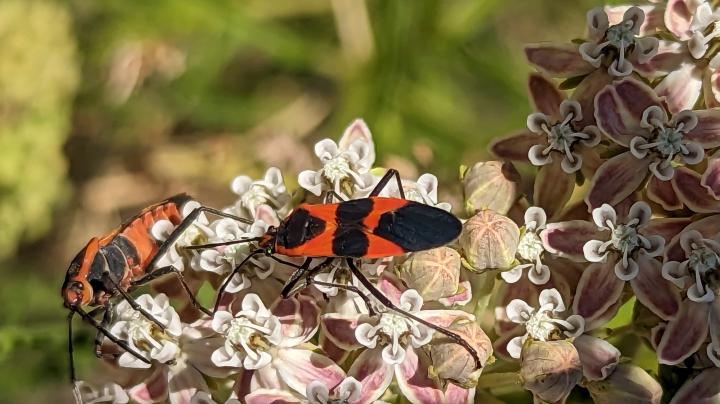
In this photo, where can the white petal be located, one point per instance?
(366, 335)
(629, 273)
(411, 300)
(240, 184)
(311, 181)
(393, 358)
(641, 211)
(326, 149)
(518, 311)
(603, 214)
(514, 347)
(552, 298)
(539, 276)
(513, 275)
(535, 218)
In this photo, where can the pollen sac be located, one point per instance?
(433, 273)
(452, 362)
(550, 370)
(490, 185)
(489, 241)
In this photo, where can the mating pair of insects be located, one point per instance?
(374, 227)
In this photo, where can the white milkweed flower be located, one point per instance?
(143, 335)
(543, 323)
(393, 327)
(345, 165)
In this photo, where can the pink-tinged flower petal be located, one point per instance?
(463, 296)
(711, 177)
(711, 88)
(390, 287)
(598, 357)
(515, 147)
(654, 291)
(567, 239)
(669, 56)
(604, 317)
(298, 367)
(653, 16)
(619, 109)
(702, 389)
(153, 390)
(617, 179)
(340, 329)
(662, 193)
(334, 352)
(557, 60)
(686, 184)
(271, 396)
(553, 188)
(373, 373)
(545, 96)
(184, 382)
(667, 228)
(586, 92)
(413, 380)
(678, 16)
(298, 319)
(708, 227)
(684, 334)
(707, 130)
(598, 289)
(627, 384)
(681, 88)
(457, 394)
(444, 318)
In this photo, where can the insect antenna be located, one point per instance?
(224, 243)
(232, 274)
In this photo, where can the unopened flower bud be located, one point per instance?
(452, 362)
(627, 384)
(489, 240)
(550, 370)
(490, 185)
(433, 273)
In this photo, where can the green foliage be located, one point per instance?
(38, 76)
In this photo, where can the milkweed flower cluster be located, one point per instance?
(622, 211)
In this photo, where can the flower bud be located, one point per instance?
(550, 370)
(433, 273)
(627, 384)
(489, 240)
(490, 185)
(452, 362)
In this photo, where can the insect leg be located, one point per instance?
(390, 305)
(349, 288)
(134, 304)
(100, 337)
(122, 344)
(187, 222)
(71, 356)
(332, 194)
(229, 278)
(167, 270)
(295, 277)
(391, 172)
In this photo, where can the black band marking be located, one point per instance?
(350, 242)
(354, 211)
(418, 227)
(299, 227)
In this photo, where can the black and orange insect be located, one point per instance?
(112, 266)
(372, 227)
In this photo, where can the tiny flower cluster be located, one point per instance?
(624, 210)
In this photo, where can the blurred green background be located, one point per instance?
(106, 106)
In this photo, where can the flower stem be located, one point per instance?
(493, 380)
